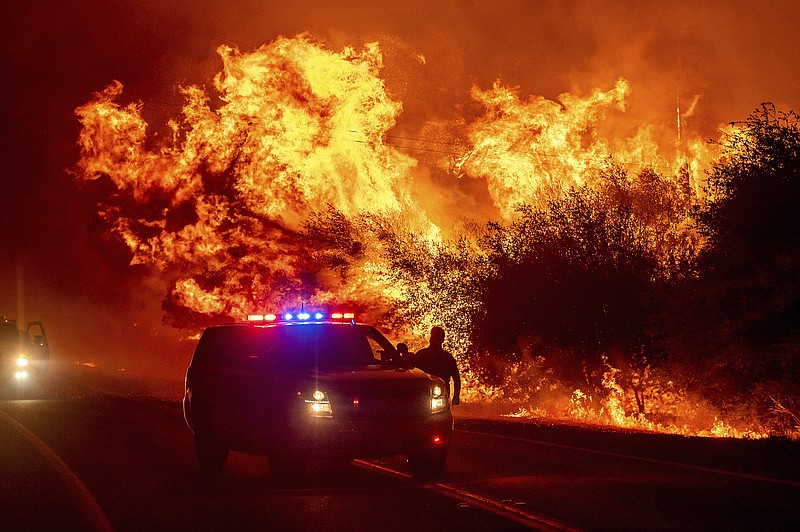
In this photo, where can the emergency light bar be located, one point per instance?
(302, 316)
(261, 317)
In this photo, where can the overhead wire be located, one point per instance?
(547, 155)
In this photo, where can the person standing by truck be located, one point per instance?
(435, 360)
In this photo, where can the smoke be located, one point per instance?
(716, 60)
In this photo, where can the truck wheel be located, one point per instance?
(211, 455)
(425, 465)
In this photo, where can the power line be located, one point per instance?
(544, 154)
(547, 156)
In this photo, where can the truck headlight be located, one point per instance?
(438, 399)
(319, 405)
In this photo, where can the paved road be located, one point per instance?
(91, 455)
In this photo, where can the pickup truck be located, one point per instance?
(306, 385)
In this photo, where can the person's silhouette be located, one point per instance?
(435, 360)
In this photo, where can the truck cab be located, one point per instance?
(23, 353)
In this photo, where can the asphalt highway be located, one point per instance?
(82, 452)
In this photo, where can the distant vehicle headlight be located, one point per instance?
(21, 375)
(319, 406)
(438, 399)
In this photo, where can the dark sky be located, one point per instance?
(57, 262)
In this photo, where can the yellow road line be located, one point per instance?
(513, 513)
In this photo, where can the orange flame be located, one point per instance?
(299, 128)
(530, 151)
(538, 148)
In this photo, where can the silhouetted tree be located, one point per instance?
(576, 281)
(332, 241)
(742, 314)
(438, 282)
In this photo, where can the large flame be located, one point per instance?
(294, 130)
(529, 151)
(299, 128)
(532, 150)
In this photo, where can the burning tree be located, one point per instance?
(283, 188)
(220, 209)
(738, 321)
(579, 282)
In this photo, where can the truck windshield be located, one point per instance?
(301, 346)
(309, 346)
